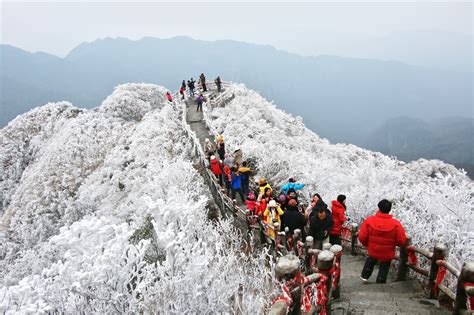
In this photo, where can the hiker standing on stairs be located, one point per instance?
(338, 207)
(236, 182)
(209, 148)
(218, 83)
(380, 233)
(200, 99)
(202, 79)
(221, 147)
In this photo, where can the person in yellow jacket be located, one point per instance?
(262, 185)
(273, 214)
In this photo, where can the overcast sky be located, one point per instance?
(305, 28)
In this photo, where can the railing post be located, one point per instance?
(337, 250)
(307, 257)
(466, 276)
(296, 238)
(354, 230)
(439, 252)
(325, 264)
(287, 268)
(402, 266)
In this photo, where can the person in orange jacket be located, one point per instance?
(338, 208)
(380, 233)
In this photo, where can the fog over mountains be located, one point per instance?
(344, 99)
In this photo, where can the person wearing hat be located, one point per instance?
(291, 186)
(221, 147)
(273, 214)
(293, 219)
(209, 148)
(380, 233)
(262, 184)
(320, 226)
(245, 171)
(338, 207)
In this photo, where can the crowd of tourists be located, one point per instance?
(282, 209)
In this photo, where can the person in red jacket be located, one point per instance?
(168, 96)
(338, 207)
(216, 168)
(380, 233)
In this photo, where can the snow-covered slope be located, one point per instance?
(433, 200)
(103, 211)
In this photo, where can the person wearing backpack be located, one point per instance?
(245, 172)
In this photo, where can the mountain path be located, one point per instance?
(356, 298)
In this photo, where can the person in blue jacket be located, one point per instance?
(291, 186)
(236, 184)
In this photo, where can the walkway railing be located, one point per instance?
(322, 267)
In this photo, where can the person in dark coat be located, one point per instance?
(218, 83)
(221, 147)
(191, 86)
(202, 79)
(245, 172)
(320, 204)
(293, 219)
(183, 85)
(320, 226)
(380, 233)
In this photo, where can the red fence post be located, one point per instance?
(466, 276)
(337, 250)
(439, 252)
(325, 264)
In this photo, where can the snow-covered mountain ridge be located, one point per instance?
(106, 213)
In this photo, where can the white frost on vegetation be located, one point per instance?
(432, 199)
(104, 212)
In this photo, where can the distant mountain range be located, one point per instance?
(447, 139)
(343, 99)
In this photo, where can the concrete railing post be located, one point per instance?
(439, 252)
(286, 269)
(466, 276)
(325, 264)
(296, 238)
(402, 267)
(354, 231)
(337, 250)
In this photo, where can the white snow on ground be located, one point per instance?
(105, 212)
(432, 199)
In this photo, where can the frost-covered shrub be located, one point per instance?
(23, 140)
(433, 200)
(132, 101)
